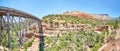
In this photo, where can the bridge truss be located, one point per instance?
(14, 25)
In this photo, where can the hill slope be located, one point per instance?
(80, 34)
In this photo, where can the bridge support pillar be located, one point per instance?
(0, 22)
(8, 30)
(41, 45)
(20, 32)
(0, 29)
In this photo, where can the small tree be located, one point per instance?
(51, 23)
(116, 25)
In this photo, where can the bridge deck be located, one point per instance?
(14, 12)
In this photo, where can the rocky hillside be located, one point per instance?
(71, 33)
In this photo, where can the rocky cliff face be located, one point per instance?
(80, 14)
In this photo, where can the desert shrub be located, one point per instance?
(4, 41)
(15, 49)
(96, 46)
(110, 37)
(113, 43)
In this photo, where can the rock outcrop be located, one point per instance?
(101, 16)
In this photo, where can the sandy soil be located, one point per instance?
(35, 45)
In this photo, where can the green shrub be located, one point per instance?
(96, 46)
(28, 44)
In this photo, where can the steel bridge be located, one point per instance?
(14, 24)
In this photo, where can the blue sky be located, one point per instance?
(41, 8)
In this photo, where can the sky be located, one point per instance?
(42, 8)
